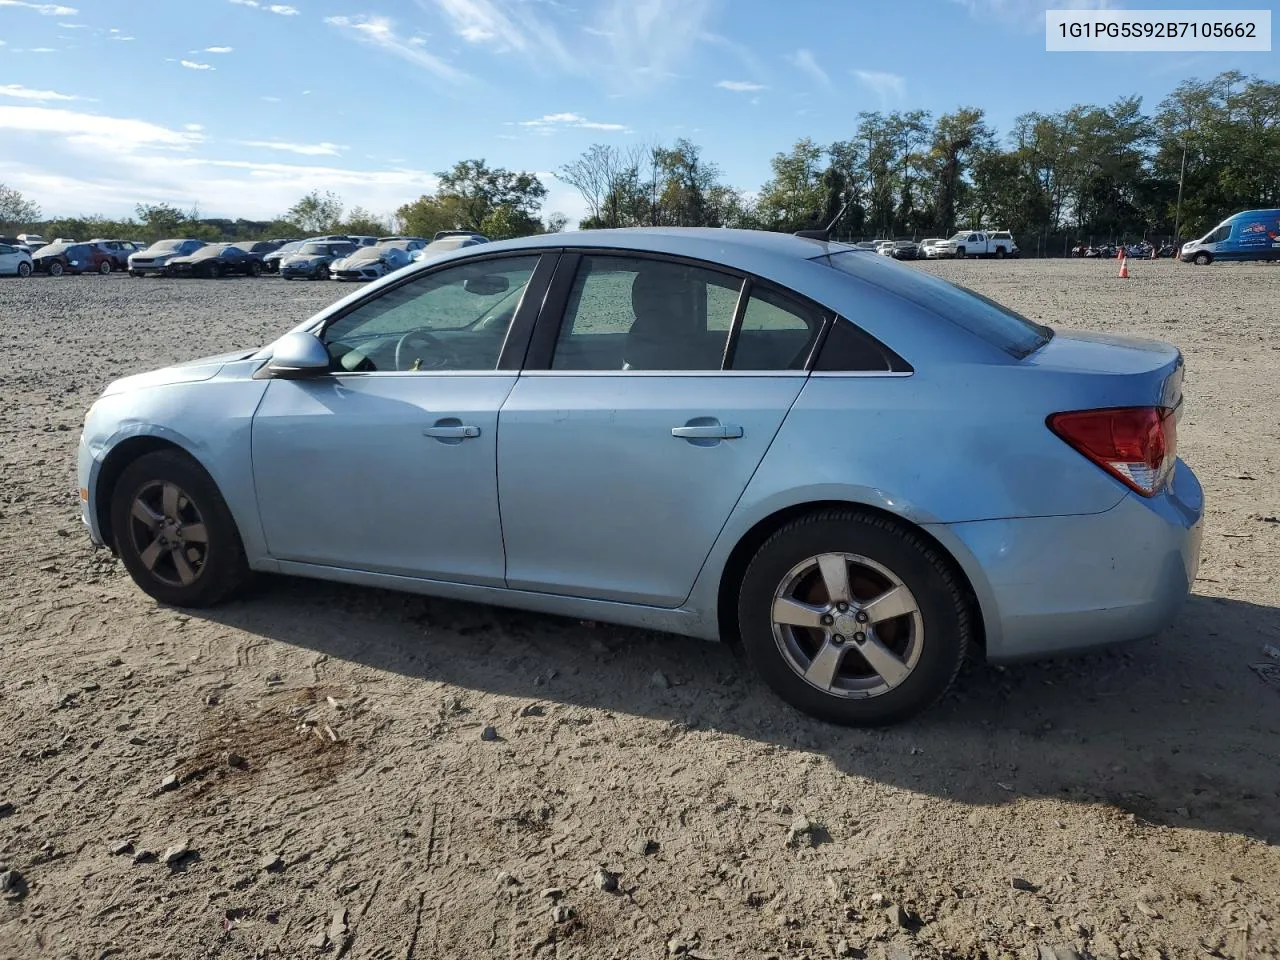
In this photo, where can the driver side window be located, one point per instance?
(451, 319)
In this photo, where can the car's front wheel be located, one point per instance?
(56, 269)
(104, 268)
(255, 269)
(322, 272)
(24, 270)
(174, 533)
(1203, 259)
(853, 618)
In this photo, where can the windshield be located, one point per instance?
(314, 250)
(53, 249)
(165, 246)
(981, 316)
(959, 236)
(292, 247)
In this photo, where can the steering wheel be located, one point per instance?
(438, 355)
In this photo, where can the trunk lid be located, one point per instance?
(1114, 370)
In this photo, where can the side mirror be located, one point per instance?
(298, 355)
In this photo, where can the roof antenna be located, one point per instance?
(825, 234)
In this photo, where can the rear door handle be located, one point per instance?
(457, 431)
(709, 431)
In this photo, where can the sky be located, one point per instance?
(242, 106)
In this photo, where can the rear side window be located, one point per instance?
(981, 316)
(777, 332)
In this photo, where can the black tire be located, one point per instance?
(56, 269)
(255, 269)
(1202, 259)
(223, 567)
(960, 253)
(24, 269)
(135, 273)
(104, 268)
(941, 639)
(322, 272)
(215, 271)
(1000, 254)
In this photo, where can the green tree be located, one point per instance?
(316, 212)
(15, 209)
(793, 198)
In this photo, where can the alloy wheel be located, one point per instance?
(847, 625)
(169, 533)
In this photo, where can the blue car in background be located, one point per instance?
(1250, 235)
(854, 469)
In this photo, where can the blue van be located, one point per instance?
(1251, 235)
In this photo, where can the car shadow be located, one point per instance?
(1178, 730)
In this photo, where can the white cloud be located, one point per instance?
(44, 9)
(889, 87)
(380, 32)
(740, 86)
(26, 93)
(74, 26)
(282, 9)
(115, 135)
(193, 127)
(804, 61)
(552, 121)
(123, 38)
(218, 49)
(193, 65)
(40, 50)
(325, 149)
(271, 99)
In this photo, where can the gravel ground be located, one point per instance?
(334, 794)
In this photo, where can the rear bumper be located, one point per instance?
(1053, 585)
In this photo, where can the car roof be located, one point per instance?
(704, 243)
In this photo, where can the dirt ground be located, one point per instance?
(335, 796)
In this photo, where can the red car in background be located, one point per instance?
(59, 258)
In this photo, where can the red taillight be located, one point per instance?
(1137, 445)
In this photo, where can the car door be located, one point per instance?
(9, 257)
(624, 446)
(388, 462)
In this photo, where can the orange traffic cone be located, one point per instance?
(1120, 252)
(1124, 268)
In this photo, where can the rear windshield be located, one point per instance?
(165, 246)
(981, 316)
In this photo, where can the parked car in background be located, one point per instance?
(311, 260)
(905, 250)
(1166, 250)
(884, 247)
(155, 258)
(258, 248)
(409, 243)
(395, 440)
(61, 257)
(1250, 235)
(215, 260)
(362, 241)
(1139, 251)
(32, 241)
(119, 251)
(271, 261)
(978, 243)
(15, 260)
(446, 242)
(928, 248)
(370, 263)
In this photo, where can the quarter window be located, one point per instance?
(634, 313)
(777, 332)
(451, 319)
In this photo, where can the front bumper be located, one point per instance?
(365, 273)
(86, 468)
(1053, 585)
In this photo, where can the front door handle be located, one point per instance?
(707, 431)
(451, 430)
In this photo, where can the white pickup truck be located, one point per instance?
(978, 243)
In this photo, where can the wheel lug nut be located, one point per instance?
(860, 638)
(842, 607)
(837, 639)
(828, 620)
(861, 617)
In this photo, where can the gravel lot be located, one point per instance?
(335, 796)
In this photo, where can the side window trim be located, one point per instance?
(735, 328)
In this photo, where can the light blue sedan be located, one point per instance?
(854, 469)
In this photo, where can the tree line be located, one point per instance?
(1083, 174)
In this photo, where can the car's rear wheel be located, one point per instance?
(853, 618)
(104, 268)
(174, 533)
(215, 271)
(56, 269)
(1000, 254)
(24, 270)
(1203, 259)
(322, 272)
(255, 269)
